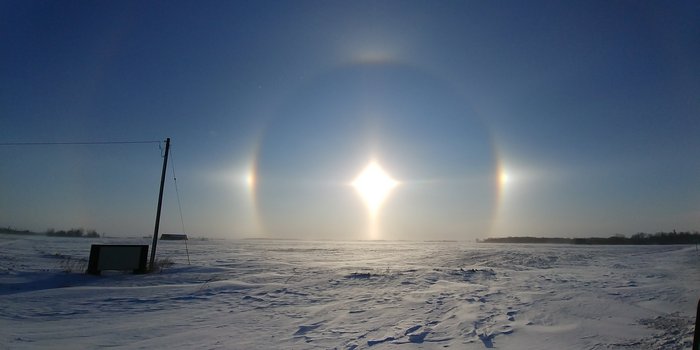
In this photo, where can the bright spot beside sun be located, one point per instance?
(250, 180)
(503, 178)
(374, 184)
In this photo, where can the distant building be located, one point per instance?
(173, 237)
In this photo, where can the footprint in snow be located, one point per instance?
(412, 329)
(418, 337)
(307, 328)
(487, 339)
(379, 341)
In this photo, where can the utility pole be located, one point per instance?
(160, 204)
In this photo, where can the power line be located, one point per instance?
(179, 206)
(76, 143)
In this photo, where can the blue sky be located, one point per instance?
(590, 110)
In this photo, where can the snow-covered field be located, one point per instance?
(262, 294)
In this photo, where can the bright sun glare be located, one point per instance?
(374, 184)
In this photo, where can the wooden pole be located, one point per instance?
(160, 204)
(696, 337)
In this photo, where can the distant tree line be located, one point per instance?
(74, 232)
(14, 231)
(638, 238)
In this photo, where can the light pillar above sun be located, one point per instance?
(373, 184)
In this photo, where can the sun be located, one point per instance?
(373, 184)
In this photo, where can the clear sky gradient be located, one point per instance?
(553, 118)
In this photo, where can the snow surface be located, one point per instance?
(264, 294)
